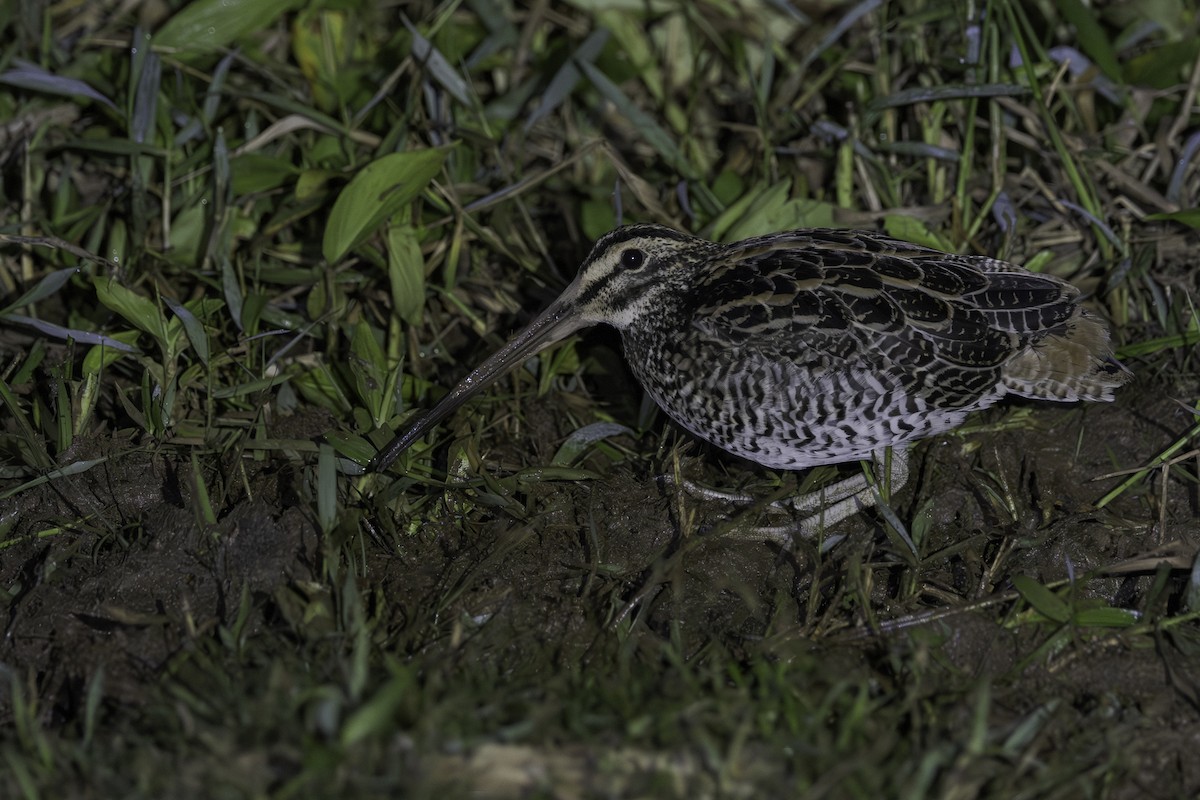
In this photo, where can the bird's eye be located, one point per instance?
(632, 258)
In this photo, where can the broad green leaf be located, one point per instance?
(141, 312)
(369, 367)
(188, 231)
(102, 355)
(318, 43)
(768, 210)
(381, 189)
(1043, 601)
(755, 201)
(597, 217)
(313, 183)
(350, 446)
(255, 172)
(727, 187)
(320, 386)
(1039, 261)
(406, 270)
(334, 56)
(911, 229)
(205, 26)
(1165, 66)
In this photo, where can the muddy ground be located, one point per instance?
(111, 569)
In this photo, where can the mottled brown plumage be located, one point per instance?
(817, 346)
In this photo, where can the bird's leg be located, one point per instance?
(846, 498)
(715, 495)
(836, 502)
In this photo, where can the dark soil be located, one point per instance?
(111, 568)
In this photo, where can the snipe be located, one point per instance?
(817, 346)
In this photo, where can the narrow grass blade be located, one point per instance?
(192, 328)
(429, 57)
(578, 442)
(59, 332)
(327, 505)
(44, 288)
(568, 76)
(654, 134)
(75, 468)
(31, 77)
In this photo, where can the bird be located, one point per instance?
(816, 346)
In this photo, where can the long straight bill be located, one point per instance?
(555, 323)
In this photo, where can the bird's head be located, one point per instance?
(629, 268)
(622, 279)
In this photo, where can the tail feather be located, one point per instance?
(1073, 362)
